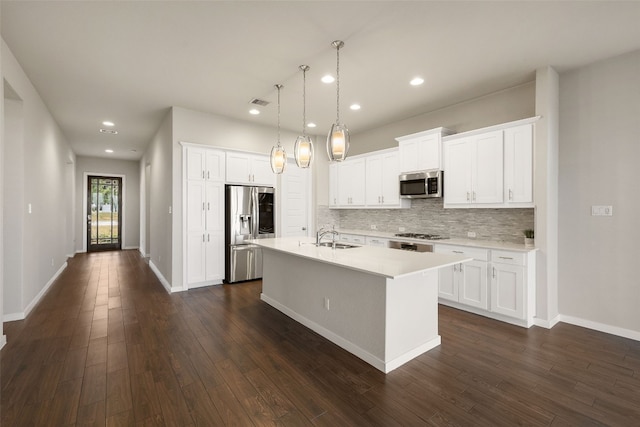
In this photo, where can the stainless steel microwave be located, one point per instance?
(421, 185)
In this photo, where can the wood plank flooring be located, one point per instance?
(108, 346)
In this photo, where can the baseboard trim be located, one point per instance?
(167, 286)
(601, 327)
(547, 324)
(12, 317)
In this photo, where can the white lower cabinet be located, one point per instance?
(508, 296)
(465, 283)
(497, 283)
(377, 241)
(353, 238)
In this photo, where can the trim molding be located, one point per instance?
(547, 324)
(10, 317)
(601, 327)
(3, 341)
(167, 286)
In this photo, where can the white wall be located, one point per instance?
(3, 338)
(158, 157)
(13, 212)
(599, 165)
(131, 203)
(45, 173)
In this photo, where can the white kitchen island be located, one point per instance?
(379, 304)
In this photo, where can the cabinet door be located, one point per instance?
(376, 241)
(507, 290)
(196, 206)
(261, 171)
(214, 212)
(214, 256)
(429, 152)
(238, 168)
(374, 166)
(458, 170)
(390, 185)
(215, 162)
(195, 163)
(473, 284)
(333, 184)
(195, 257)
(488, 172)
(351, 176)
(409, 157)
(518, 164)
(447, 284)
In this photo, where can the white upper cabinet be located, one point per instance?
(367, 181)
(490, 167)
(382, 185)
(247, 168)
(205, 163)
(473, 170)
(351, 182)
(422, 150)
(518, 166)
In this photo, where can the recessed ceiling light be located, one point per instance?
(416, 81)
(328, 79)
(355, 107)
(133, 150)
(108, 150)
(311, 125)
(109, 131)
(254, 111)
(108, 123)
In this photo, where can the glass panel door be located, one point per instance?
(104, 222)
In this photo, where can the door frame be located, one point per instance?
(85, 190)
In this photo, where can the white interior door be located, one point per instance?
(296, 197)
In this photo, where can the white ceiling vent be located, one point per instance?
(260, 102)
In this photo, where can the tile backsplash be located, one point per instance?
(429, 216)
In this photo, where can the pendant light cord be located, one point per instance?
(338, 84)
(278, 87)
(304, 101)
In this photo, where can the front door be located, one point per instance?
(104, 218)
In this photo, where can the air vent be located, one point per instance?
(260, 102)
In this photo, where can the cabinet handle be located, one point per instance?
(208, 237)
(510, 194)
(203, 238)
(208, 206)
(505, 257)
(454, 268)
(203, 206)
(382, 199)
(468, 197)
(457, 252)
(494, 272)
(208, 175)
(474, 196)
(202, 174)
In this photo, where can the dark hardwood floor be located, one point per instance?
(108, 346)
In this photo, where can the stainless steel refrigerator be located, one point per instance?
(250, 214)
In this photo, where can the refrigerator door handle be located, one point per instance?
(255, 210)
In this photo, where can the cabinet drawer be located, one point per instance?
(476, 253)
(506, 257)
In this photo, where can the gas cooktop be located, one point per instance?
(421, 236)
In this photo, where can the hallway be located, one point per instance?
(108, 346)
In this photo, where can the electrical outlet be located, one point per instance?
(471, 234)
(374, 227)
(401, 229)
(326, 303)
(601, 210)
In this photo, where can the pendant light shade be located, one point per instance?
(303, 147)
(278, 155)
(338, 138)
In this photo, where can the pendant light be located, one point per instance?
(303, 147)
(278, 155)
(338, 138)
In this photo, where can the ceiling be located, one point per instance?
(128, 62)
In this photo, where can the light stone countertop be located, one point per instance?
(390, 263)
(476, 243)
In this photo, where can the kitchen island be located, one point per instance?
(379, 304)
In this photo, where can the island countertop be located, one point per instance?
(385, 262)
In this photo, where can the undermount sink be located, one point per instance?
(337, 245)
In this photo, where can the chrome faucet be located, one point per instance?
(322, 232)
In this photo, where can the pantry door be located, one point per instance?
(104, 213)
